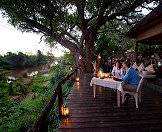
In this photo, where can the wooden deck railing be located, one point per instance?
(41, 124)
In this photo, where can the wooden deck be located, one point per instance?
(100, 114)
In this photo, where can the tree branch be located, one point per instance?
(124, 11)
(72, 37)
(59, 38)
(80, 8)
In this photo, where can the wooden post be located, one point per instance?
(60, 100)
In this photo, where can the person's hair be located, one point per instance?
(127, 63)
(120, 65)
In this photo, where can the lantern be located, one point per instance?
(77, 79)
(65, 111)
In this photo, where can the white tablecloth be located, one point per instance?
(109, 83)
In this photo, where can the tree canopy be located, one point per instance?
(20, 60)
(113, 37)
(72, 23)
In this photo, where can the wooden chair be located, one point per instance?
(136, 94)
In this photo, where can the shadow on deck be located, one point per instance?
(100, 114)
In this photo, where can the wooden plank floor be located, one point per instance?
(100, 114)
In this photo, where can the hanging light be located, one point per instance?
(99, 56)
(80, 57)
(159, 63)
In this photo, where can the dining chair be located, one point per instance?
(136, 94)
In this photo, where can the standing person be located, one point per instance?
(109, 64)
(95, 68)
(117, 71)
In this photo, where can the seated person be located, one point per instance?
(131, 78)
(105, 67)
(118, 71)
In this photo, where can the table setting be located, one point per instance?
(106, 80)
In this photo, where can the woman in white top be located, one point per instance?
(118, 71)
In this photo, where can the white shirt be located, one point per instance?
(117, 73)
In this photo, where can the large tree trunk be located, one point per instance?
(89, 52)
(84, 56)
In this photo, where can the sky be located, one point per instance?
(13, 40)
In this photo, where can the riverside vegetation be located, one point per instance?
(20, 104)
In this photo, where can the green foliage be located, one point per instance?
(60, 15)
(19, 115)
(13, 88)
(112, 37)
(20, 60)
(41, 59)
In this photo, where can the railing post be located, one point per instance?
(60, 100)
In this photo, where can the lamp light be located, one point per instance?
(65, 111)
(77, 79)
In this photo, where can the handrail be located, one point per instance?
(41, 124)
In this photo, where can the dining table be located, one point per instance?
(107, 83)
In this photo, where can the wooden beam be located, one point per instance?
(152, 31)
